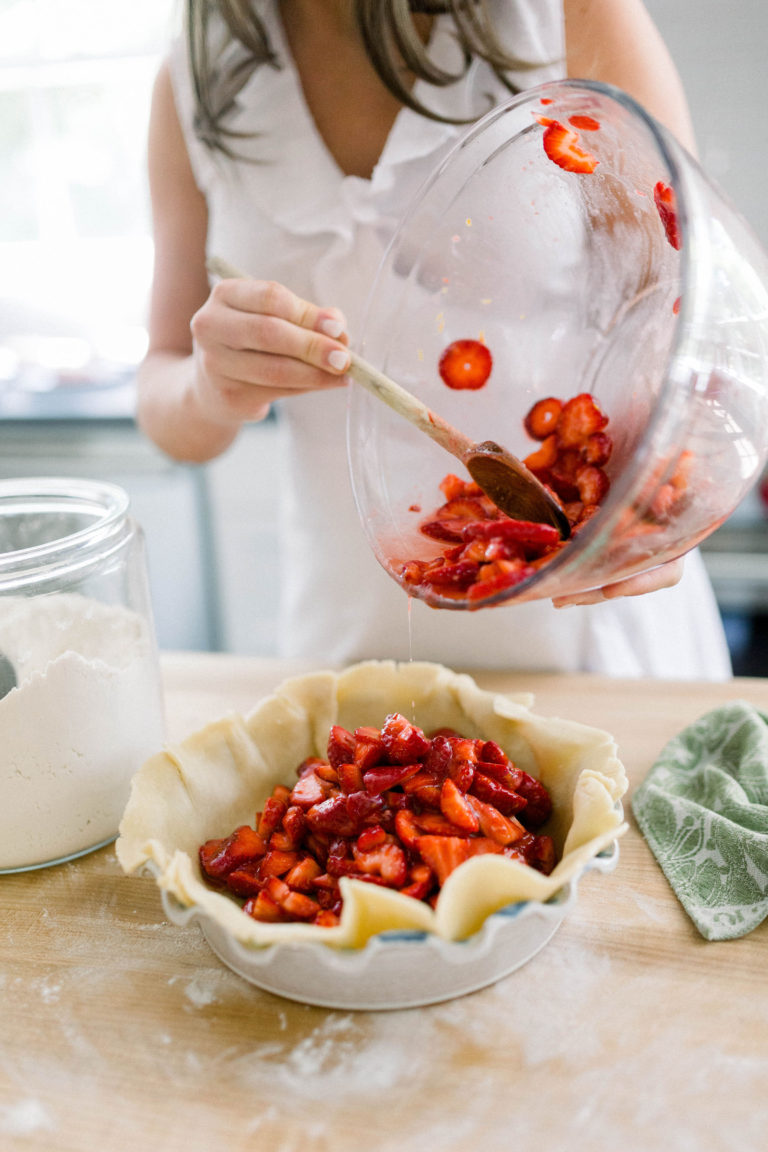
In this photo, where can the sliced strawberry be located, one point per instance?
(494, 579)
(420, 882)
(523, 531)
(309, 791)
(294, 824)
(341, 746)
(541, 420)
(501, 829)
(597, 449)
(386, 776)
(332, 817)
(403, 741)
(369, 748)
(277, 863)
(246, 881)
(592, 483)
(219, 857)
(299, 906)
(387, 861)
(538, 802)
(666, 205)
(561, 145)
(544, 457)
(580, 418)
(465, 364)
(350, 778)
(540, 854)
(492, 792)
(303, 874)
(327, 919)
(435, 824)
(456, 808)
(584, 123)
(406, 828)
(459, 575)
(371, 838)
(263, 907)
(443, 854)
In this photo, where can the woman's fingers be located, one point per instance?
(665, 576)
(256, 341)
(263, 316)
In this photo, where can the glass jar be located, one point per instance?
(80, 694)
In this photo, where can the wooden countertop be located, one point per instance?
(628, 1031)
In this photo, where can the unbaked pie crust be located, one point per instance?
(219, 777)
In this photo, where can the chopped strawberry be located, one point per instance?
(542, 418)
(503, 829)
(387, 776)
(263, 907)
(246, 881)
(276, 863)
(538, 803)
(309, 791)
(522, 531)
(443, 853)
(492, 792)
(303, 874)
(418, 823)
(561, 145)
(465, 364)
(350, 778)
(371, 838)
(220, 857)
(332, 816)
(456, 808)
(579, 419)
(544, 457)
(420, 882)
(369, 748)
(584, 123)
(404, 742)
(666, 205)
(592, 483)
(387, 861)
(341, 746)
(406, 828)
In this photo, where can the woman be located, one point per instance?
(286, 136)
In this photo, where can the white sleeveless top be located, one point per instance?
(296, 218)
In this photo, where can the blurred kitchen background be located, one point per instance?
(75, 262)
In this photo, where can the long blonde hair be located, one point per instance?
(389, 34)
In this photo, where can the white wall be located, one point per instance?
(720, 48)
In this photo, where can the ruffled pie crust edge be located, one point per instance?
(218, 777)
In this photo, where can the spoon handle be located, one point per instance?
(398, 399)
(408, 406)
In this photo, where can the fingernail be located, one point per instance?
(332, 327)
(339, 359)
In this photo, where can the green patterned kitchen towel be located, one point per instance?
(703, 808)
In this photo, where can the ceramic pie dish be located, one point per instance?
(388, 950)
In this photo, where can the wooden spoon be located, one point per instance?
(511, 486)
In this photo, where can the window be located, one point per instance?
(75, 244)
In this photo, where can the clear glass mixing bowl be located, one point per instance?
(573, 283)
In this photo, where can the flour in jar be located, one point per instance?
(86, 713)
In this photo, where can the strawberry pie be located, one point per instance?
(386, 796)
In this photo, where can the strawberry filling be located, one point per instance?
(427, 804)
(485, 552)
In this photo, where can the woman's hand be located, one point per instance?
(254, 342)
(665, 576)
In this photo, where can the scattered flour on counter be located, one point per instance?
(85, 715)
(24, 1118)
